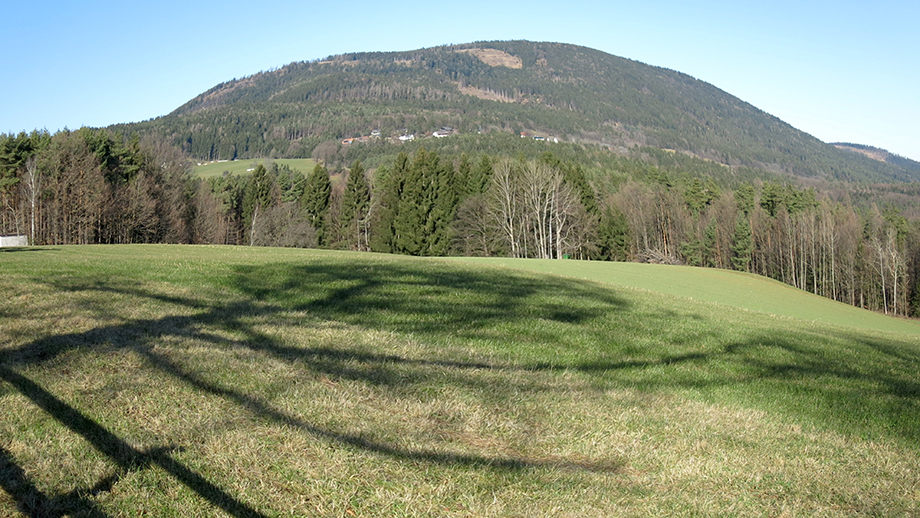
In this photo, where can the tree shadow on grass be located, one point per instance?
(392, 298)
(125, 456)
(436, 304)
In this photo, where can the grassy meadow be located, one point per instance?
(252, 382)
(241, 167)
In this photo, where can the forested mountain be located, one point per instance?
(557, 91)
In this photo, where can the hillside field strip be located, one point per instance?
(243, 167)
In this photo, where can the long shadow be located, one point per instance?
(125, 456)
(424, 301)
(362, 294)
(33, 503)
(264, 411)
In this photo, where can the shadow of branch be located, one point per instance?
(125, 456)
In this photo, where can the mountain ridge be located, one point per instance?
(574, 93)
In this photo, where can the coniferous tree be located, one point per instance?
(710, 243)
(444, 197)
(479, 176)
(613, 235)
(260, 191)
(384, 232)
(355, 205)
(742, 245)
(744, 199)
(413, 206)
(315, 200)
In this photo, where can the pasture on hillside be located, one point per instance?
(252, 382)
(243, 167)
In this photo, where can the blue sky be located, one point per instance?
(842, 71)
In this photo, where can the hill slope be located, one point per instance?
(880, 155)
(254, 382)
(711, 285)
(548, 89)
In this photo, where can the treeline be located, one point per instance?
(88, 186)
(83, 187)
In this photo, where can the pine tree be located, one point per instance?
(413, 207)
(710, 243)
(742, 245)
(479, 176)
(445, 197)
(613, 233)
(386, 204)
(744, 199)
(315, 200)
(356, 201)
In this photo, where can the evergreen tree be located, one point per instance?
(692, 252)
(744, 199)
(315, 200)
(386, 204)
(445, 197)
(710, 243)
(356, 201)
(413, 206)
(772, 198)
(479, 176)
(260, 191)
(742, 245)
(613, 234)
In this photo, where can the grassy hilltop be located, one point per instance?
(214, 381)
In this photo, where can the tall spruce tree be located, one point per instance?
(356, 201)
(613, 234)
(413, 207)
(742, 245)
(315, 200)
(445, 197)
(392, 182)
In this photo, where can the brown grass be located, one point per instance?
(484, 94)
(496, 58)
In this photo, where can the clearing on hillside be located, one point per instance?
(496, 58)
(242, 167)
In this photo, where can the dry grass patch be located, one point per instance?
(496, 58)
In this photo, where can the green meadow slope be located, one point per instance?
(250, 382)
(731, 288)
(243, 167)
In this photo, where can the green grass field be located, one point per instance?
(241, 167)
(248, 382)
(740, 290)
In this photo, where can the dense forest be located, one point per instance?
(96, 186)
